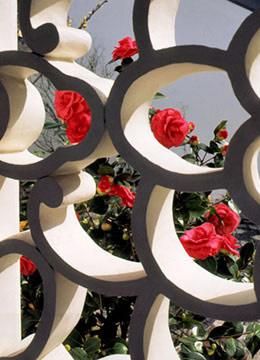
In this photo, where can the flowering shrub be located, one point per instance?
(206, 226)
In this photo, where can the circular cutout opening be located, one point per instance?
(215, 233)
(77, 248)
(151, 131)
(105, 327)
(178, 267)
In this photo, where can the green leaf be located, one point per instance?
(198, 212)
(213, 147)
(240, 350)
(127, 61)
(233, 269)
(52, 125)
(211, 165)
(92, 345)
(106, 170)
(253, 345)
(220, 126)
(173, 321)
(194, 200)
(189, 341)
(237, 329)
(159, 96)
(209, 264)
(74, 339)
(98, 205)
(193, 356)
(120, 348)
(190, 157)
(246, 254)
(203, 147)
(79, 354)
(152, 112)
(118, 68)
(230, 347)
(218, 332)
(218, 158)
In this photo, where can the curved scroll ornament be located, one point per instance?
(8, 255)
(120, 124)
(163, 172)
(23, 165)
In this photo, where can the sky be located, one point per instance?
(205, 99)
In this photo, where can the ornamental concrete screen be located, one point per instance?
(119, 125)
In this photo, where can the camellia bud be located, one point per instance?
(222, 134)
(224, 149)
(31, 306)
(125, 236)
(191, 126)
(184, 316)
(194, 140)
(23, 225)
(212, 349)
(106, 227)
(67, 347)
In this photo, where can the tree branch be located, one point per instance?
(91, 13)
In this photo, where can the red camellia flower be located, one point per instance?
(230, 244)
(126, 48)
(78, 126)
(222, 134)
(73, 109)
(104, 185)
(68, 103)
(27, 267)
(126, 195)
(225, 220)
(169, 127)
(202, 241)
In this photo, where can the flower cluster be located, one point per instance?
(106, 186)
(214, 235)
(74, 111)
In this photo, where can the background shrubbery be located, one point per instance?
(104, 324)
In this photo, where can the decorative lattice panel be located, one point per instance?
(120, 125)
